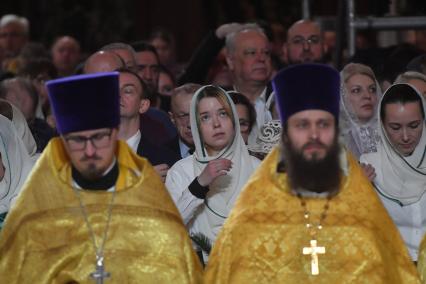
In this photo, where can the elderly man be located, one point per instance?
(124, 51)
(14, 34)
(304, 43)
(92, 208)
(249, 61)
(309, 215)
(183, 143)
(103, 61)
(65, 55)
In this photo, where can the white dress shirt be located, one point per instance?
(133, 141)
(410, 220)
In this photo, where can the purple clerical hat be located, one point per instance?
(305, 87)
(85, 102)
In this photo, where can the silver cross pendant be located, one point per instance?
(100, 272)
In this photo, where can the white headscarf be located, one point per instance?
(16, 162)
(225, 189)
(402, 178)
(359, 138)
(23, 130)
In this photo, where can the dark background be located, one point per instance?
(97, 22)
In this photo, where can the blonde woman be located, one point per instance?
(360, 93)
(206, 184)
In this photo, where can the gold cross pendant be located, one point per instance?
(314, 250)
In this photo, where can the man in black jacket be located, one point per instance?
(182, 144)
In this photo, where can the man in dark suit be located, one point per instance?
(133, 102)
(182, 144)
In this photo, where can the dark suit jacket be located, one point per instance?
(155, 153)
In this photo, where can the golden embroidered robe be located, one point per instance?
(263, 239)
(421, 264)
(46, 240)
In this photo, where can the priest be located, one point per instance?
(308, 214)
(92, 209)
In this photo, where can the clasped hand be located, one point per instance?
(214, 169)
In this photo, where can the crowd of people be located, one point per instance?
(240, 166)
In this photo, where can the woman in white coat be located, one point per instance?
(400, 162)
(206, 184)
(15, 165)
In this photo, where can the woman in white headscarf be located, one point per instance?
(400, 162)
(206, 184)
(360, 93)
(15, 166)
(8, 110)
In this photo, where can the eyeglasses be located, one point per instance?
(312, 40)
(98, 140)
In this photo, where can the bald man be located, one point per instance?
(103, 61)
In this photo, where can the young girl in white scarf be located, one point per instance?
(206, 184)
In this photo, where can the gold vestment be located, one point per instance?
(46, 240)
(421, 261)
(263, 239)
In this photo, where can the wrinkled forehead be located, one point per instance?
(250, 38)
(181, 100)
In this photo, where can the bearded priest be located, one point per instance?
(308, 214)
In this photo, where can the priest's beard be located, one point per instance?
(92, 171)
(316, 174)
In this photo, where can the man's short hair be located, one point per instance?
(163, 34)
(12, 18)
(230, 38)
(142, 45)
(119, 45)
(239, 98)
(23, 83)
(186, 89)
(145, 91)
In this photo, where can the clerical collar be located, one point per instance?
(105, 182)
(310, 194)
